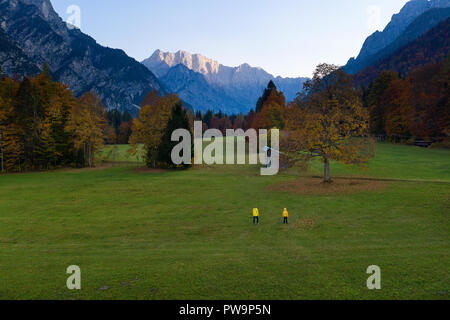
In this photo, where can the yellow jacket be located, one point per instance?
(255, 212)
(285, 214)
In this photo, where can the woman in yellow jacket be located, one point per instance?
(285, 216)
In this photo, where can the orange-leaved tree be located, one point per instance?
(328, 121)
(271, 107)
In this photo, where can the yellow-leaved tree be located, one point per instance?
(328, 121)
(2, 122)
(11, 142)
(149, 127)
(87, 126)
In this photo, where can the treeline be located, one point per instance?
(158, 114)
(43, 126)
(430, 48)
(409, 109)
(122, 124)
(220, 121)
(416, 107)
(268, 113)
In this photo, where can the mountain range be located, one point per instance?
(403, 28)
(206, 84)
(32, 33)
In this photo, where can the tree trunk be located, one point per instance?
(90, 154)
(84, 155)
(153, 158)
(326, 171)
(1, 152)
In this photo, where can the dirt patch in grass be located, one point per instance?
(303, 224)
(313, 186)
(149, 170)
(101, 166)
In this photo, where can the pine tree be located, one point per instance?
(2, 74)
(178, 120)
(267, 92)
(127, 117)
(46, 71)
(207, 118)
(199, 115)
(271, 113)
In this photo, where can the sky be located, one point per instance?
(284, 37)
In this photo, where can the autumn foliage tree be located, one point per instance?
(328, 122)
(413, 108)
(10, 142)
(375, 103)
(34, 113)
(87, 126)
(270, 109)
(3, 117)
(399, 112)
(149, 127)
(121, 123)
(43, 126)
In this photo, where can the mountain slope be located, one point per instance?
(395, 29)
(432, 47)
(13, 60)
(240, 87)
(193, 88)
(75, 58)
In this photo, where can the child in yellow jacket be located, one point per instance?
(285, 216)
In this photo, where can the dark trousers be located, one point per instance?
(255, 220)
(285, 221)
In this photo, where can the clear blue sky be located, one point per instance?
(285, 37)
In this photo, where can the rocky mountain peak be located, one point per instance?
(398, 24)
(160, 62)
(36, 34)
(45, 9)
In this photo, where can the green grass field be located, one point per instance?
(139, 234)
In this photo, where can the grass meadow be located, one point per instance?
(149, 234)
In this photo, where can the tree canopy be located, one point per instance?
(329, 123)
(148, 129)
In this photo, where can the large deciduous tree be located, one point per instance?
(328, 121)
(87, 125)
(149, 127)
